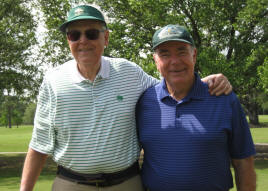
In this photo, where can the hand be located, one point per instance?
(218, 84)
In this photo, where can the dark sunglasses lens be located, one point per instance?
(73, 35)
(92, 34)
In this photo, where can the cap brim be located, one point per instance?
(64, 25)
(178, 40)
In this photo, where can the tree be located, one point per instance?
(229, 34)
(18, 76)
(28, 117)
(17, 37)
(12, 108)
(263, 73)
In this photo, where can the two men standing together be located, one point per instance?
(85, 116)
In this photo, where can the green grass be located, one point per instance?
(259, 135)
(263, 118)
(15, 139)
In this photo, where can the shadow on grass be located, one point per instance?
(261, 163)
(261, 125)
(11, 166)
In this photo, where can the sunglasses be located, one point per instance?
(91, 34)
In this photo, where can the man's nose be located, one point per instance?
(83, 38)
(174, 59)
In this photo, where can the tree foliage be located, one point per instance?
(12, 110)
(263, 73)
(17, 37)
(230, 35)
(28, 117)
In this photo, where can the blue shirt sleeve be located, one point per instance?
(240, 143)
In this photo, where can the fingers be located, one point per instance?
(228, 88)
(220, 86)
(210, 83)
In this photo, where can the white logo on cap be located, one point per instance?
(78, 11)
(169, 32)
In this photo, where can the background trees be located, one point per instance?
(17, 31)
(17, 40)
(231, 37)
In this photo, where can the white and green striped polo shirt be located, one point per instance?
(90, 127)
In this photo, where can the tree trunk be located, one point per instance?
(253, 113)
(9, 117)
(253, 118)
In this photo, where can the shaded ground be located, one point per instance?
(11, 165)
(262, 125)
(11, 168)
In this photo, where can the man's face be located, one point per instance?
(175, 61)
(84, 50)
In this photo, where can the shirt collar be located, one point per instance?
(198, 91)
(77, 77)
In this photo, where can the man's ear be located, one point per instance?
(106, 37)
(154, 56)
(155, 60)
(194, 55)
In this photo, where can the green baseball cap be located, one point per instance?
(172, 33)
(82, 12)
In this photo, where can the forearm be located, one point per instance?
(245, 175)
(33, 165)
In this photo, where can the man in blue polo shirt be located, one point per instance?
(189, 137)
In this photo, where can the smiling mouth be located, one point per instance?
(84, 50)
(177, 71)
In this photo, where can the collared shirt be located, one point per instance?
(90, 127)
(188, 144)
(104, 71)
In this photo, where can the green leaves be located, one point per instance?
(17, 37)
(230, 35)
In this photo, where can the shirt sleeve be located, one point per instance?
(146, 81)
(241, 144)
(43, 136)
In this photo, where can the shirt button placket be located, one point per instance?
(177, 117)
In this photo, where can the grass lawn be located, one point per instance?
(263, 118)
(15, 139)
(259, 135)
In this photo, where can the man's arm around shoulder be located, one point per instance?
(32, 168)
(245, 175)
